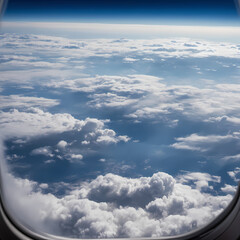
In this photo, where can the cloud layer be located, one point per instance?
(114, 206)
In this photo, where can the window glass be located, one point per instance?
(119, 118)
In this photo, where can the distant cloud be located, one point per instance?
(62, 144)
(200, 143)
(75, 157)
(46, 151)
(36, 122)
(200, 180)
(235, 174)
(19, 101)
(130, 60)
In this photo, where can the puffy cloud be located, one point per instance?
(229, 189)
(200, 180)
(128, 192)
(43, 185)
(96, 133)
(36, 122)
(114, 206)
(46, 151)
(62, 144)
(75, 157)
(235, 174)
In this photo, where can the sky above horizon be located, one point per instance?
(153, 12)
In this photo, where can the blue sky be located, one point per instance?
(153, 12)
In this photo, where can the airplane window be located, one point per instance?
(119, 119)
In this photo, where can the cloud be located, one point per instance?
(49, 161)
(46, 151)
(128, 192)
(195, 142)
(18, 101)
(229, 189)
(62, 144)
(200, 180)
(36, 122)
(235, 174)
(233, 157)
(224, 119)
(144, 97)
(129, 60)
(112, 206)
(74, 158)
(96, 133)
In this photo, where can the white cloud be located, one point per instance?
(46, 151)
(200, 180)
(143, 96)
(102, 160)
(96, 133)
(148, 97)
(35, 122)
(74, 158)
(130, 60)
(43, 185)
(235, 174)
(112, 206)
(62, 144)
(18, 101)
(229, 189)
(49, 161)
(197, 142)
(233, 157)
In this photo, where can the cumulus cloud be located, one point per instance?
(35, 122)
(128, 192)
(62, 144)
(75, 157)
(113, 206)
(235, 174)
(96, 133)
(229, 189)
(46, 151)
